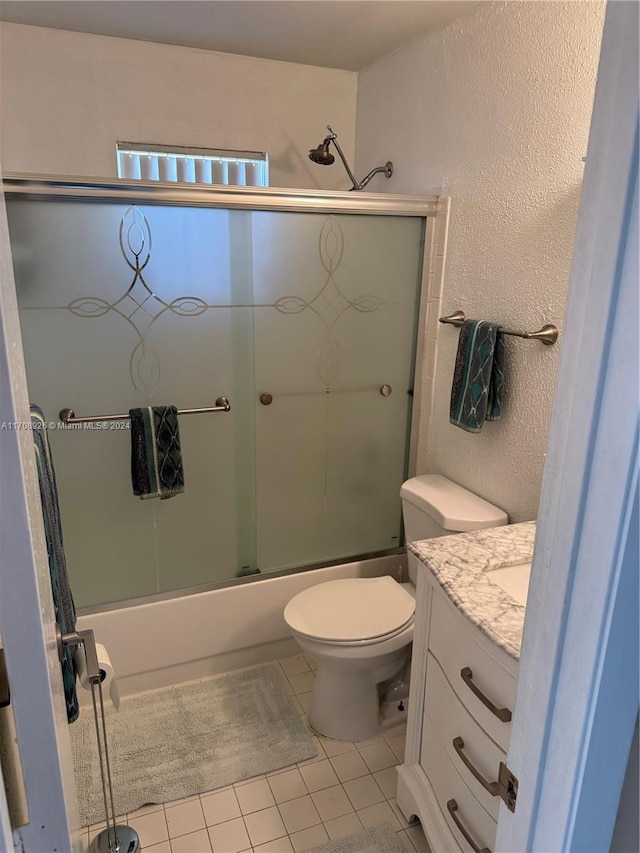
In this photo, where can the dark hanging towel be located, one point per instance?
(156, 458)
(65, 610)
(476, 392)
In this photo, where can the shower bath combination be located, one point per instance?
(324, 157)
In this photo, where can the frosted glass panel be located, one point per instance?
(336, 307)
(122, 307)
(125, 306)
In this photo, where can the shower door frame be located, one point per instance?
(433, 209)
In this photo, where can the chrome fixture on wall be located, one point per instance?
(324, 157)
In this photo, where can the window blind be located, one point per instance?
(150, 162)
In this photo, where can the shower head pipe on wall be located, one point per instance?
(324, 157)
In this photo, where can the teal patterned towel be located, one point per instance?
(156, 458)
(64, 607)
(476, 392)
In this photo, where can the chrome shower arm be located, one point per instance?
(387, 169)
(333, 138)
(323, 156)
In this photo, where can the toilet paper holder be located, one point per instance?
(88, 641)
(116, 838)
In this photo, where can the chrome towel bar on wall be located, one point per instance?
(547, 335)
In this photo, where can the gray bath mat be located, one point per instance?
(376, 839)
(179, 741)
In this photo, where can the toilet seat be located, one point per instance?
(353, 611)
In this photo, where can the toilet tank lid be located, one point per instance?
(449, 505)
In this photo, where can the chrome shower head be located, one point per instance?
(321, 154)
(324, 157)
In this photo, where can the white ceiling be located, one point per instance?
(347, 34)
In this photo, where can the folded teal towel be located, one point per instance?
(476, 392)
(156, 458)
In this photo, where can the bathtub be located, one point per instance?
(182, 638)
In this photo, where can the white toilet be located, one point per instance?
(360, 629)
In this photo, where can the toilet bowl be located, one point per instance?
(360, 632)
(360, 629)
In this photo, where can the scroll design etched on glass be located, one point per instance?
(329, 303)
(140, 306)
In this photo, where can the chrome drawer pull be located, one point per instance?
(492, 787)
(503, 714)
(452, 808)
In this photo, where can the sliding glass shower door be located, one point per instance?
(305, 321)
(335, 316)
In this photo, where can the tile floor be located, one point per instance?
(346, 787)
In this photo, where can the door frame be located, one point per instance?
(577, 699)
(27, 619)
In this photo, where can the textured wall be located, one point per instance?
(493, 110)
(66, 98)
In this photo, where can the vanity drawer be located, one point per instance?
(453, 795)
(464, 652)
(454, 723)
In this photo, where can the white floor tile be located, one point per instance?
(394, 731)
(378, 756)
(299, 814)
(397, 745)
(248, 781)
(360, 744)
(388, 781)
(220, 807)
(341, 826)
(307, 838)
(416, 836)
(380, 813)
(295, 665)
(94, 829)
(332, 803)
(185, 818)
(304, 700)
(165, 847)
(288, 785)
(150, 807)
(313, 663)
(319, 775)
(173, 803)
(255, 796)
(303, 682)
(319, 757)
(264, 826)
(364, 792)
(349, 766)
(280, 845)
(195, 842)
(336, 747)
(151, 828)
(229, 837)
(319, 747)
(406, 843)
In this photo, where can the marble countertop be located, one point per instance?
(459, 563)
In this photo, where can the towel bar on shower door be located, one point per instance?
(68, 416)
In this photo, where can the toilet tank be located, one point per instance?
(434, 506)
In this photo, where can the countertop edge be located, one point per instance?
(458, 564)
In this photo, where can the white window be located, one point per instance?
(150, 162)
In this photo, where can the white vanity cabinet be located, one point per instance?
(463, 689)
